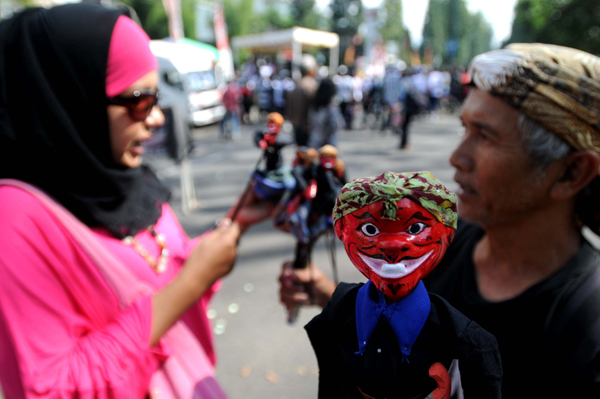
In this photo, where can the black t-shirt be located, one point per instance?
(532, 367)
(380, 371)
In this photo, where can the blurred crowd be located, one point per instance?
(318, 105)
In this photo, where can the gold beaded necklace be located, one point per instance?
(159, 265)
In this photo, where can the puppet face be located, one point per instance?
(303, 157)
(273, 128)
(394, 254)
(327, 161)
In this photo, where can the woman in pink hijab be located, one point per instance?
(102, 295)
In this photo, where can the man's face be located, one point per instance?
(394, 254)
(497, 182)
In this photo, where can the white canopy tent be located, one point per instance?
(293, 39)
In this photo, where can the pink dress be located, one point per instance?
(64, 331)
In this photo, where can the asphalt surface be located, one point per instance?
(259, 354)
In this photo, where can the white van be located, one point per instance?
(196, 73)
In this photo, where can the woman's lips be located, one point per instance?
(137, 150)
(394, 270)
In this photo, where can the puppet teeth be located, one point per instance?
(394, 270)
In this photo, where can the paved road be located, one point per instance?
(260, 355)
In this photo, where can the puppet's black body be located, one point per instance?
(380, 371)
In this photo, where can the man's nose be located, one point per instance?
(462, 158)
(392, 249)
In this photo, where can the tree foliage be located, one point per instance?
(455, 34)
(304, 14)
(571, 23)
(242, 18)
(346, 17)
(153, 17)
(393, 29)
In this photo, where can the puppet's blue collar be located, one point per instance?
(406, 317)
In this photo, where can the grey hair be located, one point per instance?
(542, 146)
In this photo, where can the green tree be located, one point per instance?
(240, 17)
(154, 20)
(454, 33)
(571, 23)
(435, 29)
(347, 15)
(272, 19)
(393, 29)
(304, 14)
(476, 40)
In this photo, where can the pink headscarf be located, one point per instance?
(129, 56)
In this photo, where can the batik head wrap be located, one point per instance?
(557, 87)
(421, 187)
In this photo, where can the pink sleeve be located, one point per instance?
(196, 317)
(61, 330)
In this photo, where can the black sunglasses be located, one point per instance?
(139, 104)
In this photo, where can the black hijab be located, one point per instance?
(53, 118)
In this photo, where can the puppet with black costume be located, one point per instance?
(293, 210)
(389, 338)
(330, 181)
(271, 182)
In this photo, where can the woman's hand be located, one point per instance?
(214, 256)
(212, 259)
(252, 211)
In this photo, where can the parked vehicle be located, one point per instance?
(194, 71)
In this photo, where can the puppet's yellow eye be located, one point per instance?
(416, 228)
(369, 229)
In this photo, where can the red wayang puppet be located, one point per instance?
(272, 181)
(390, 338)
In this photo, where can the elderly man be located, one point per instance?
(527, 169)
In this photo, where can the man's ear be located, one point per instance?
(578, 170)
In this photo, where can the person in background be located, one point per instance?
(391, 92)
(247, 90)
(326, 116)
(282, 84)
(435, 86)
(528, 174)
(345, 91)
(103, 295)
(232, 99)
(413, 102)
(299, 100)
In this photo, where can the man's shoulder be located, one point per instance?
(455, 325)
